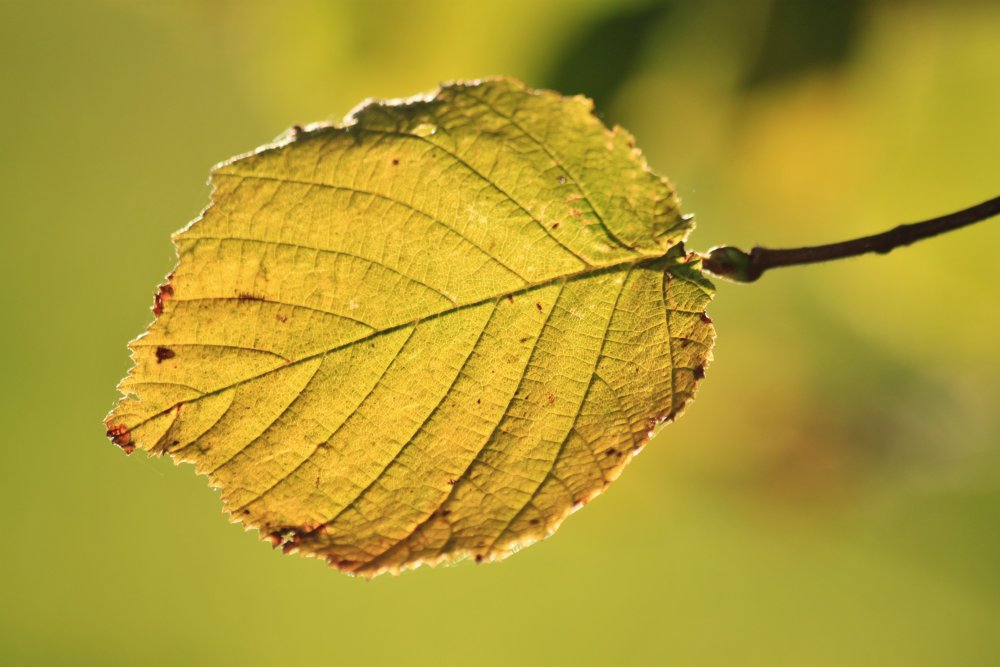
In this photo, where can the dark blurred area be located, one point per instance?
(599, 58)
(802, 37)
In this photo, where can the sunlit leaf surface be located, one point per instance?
(427, 334)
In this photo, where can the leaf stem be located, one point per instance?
(740, 266)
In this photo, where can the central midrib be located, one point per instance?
(588, 272)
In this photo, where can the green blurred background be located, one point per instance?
(831, 498)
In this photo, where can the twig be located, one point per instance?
(735, 264)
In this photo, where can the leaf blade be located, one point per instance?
(428, 334)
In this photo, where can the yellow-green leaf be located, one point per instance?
(430, 333)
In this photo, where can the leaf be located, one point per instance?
(427, 334)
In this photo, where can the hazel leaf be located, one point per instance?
(428, 333)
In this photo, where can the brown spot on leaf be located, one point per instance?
(342, 564)
(452, 482)
(538, 306)
(163, 294)
(479, 558)
(281, 318)
(575, 212)
(249, 296)
(524, 339)
(121, 436)
(610, 451)
(705, 318)
(297, 131)
(310, 528)
(551, 398)
(164, 353)
(395, 161)
(287, 538)
(510, 297)
(555, 225)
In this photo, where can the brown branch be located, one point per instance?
(735, 264)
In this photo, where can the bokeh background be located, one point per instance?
(831, 498)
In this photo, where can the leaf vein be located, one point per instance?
(557, 162)
(579, 275)
(423, 424)
(329, 438)
(376, 195)
(276, 302)
(486, 442)
(486, 180)
(576, 417)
